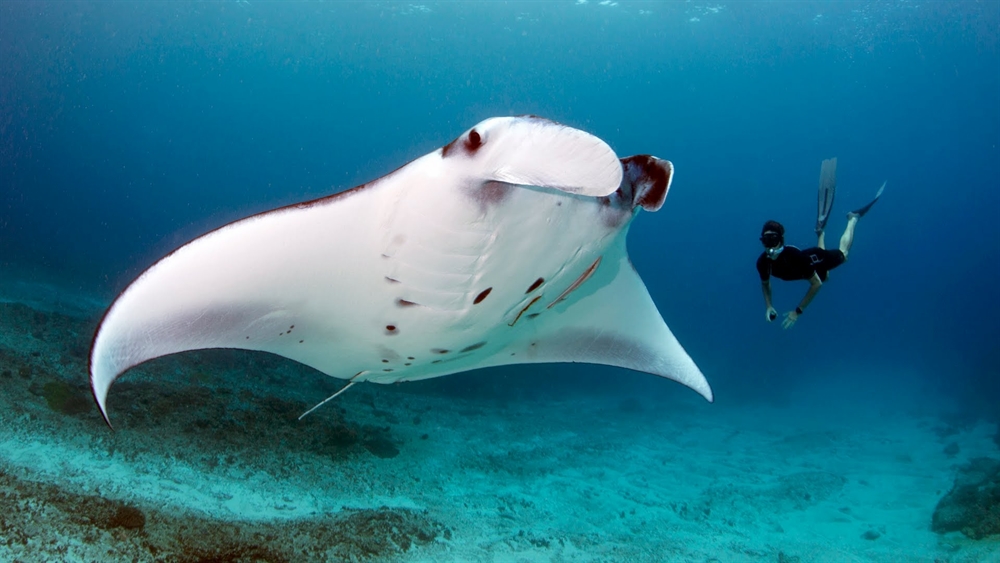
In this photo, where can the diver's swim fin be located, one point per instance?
(827, 189)
(861, 212)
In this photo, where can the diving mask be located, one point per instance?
(773, 243)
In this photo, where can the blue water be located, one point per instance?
(129, 128)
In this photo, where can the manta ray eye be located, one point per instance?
(475, 140)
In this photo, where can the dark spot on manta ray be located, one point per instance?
(533, 315)
(390, 329)
(472, 347)
(536, 285)
(439, 351)
(407, 364)
(385, 361)
(491, 193)
(405, 303)
(301, 341)
(482, 295)
(410, 358)
(391, 280)
(436, 362)
(387, 370)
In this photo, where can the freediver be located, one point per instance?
(814, 264)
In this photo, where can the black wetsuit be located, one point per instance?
(794, 264)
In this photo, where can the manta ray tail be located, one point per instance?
(328, 399)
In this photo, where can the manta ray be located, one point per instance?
(505, 246)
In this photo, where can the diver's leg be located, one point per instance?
(847, 239)
(822, 240)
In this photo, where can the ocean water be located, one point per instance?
(130, 128)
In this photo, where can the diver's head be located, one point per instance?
(772, 236)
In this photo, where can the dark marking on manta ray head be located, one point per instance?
(468, 143)
(391, 329)
(472, 347)
(439, 351)
(482, 295)
(410, 358)
(405, 303)
(301, 341)
(535, 285)
(492, 193)
(385, 361)
(474, 141)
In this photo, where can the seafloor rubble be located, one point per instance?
(972, 506)
(176, 402)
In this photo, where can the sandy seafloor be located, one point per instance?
(208, 463)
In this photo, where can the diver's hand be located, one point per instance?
(771, 314)
(790, 318)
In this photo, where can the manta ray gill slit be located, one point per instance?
(579, 281)
(523, 309)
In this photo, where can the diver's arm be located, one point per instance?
(814, 284)
(771, 313)
(790, 317)
(766, 287)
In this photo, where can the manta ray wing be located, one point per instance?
(611, 321)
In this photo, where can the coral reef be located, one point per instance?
(973, 504)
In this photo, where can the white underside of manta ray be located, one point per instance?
(506, 246)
